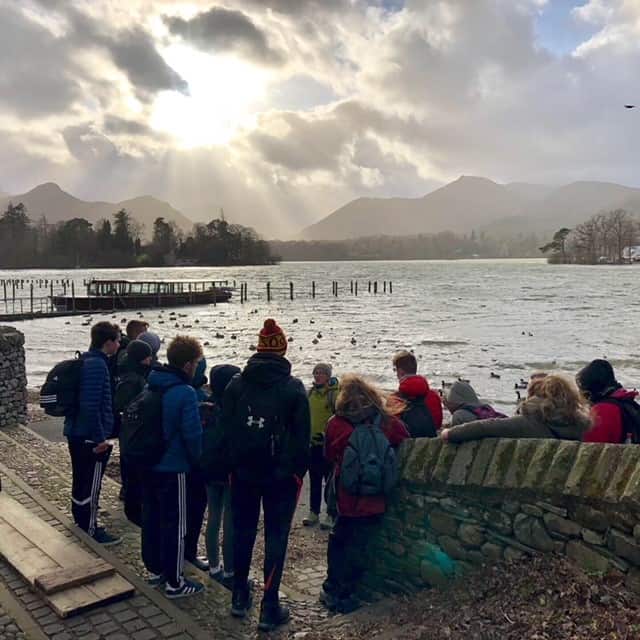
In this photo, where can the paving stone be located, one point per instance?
(134, 625)
(149, 611)
(106, 628)
(159, 620)
(145, 634)
(125, 616)
(170, 630)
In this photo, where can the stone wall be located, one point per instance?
(483, 501)
(13, 377)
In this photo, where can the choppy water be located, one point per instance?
(463, 318)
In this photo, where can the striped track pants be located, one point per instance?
(88, 470)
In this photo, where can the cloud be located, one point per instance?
(38, 75)
(116, 125)
(226, 30)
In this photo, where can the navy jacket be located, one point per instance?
(93, 420)
(180, 419)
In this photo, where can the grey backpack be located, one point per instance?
(369, 465)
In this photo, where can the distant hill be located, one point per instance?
(57, 205)
(476, 203)
(460, 206)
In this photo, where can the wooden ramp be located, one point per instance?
(68, 577)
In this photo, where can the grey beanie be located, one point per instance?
(138, 350)
(461, 393)
(323, 367)
(152, 339)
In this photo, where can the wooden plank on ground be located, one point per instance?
(35, 548)
(62, 579)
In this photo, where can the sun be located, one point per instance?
(224, 95)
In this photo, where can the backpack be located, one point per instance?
(260, 431)
(630, 414)
(418, 419)
(483, 412)
(214, 460)
(142, 441)
(60, 391)
(369, 465)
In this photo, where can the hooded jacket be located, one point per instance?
(527, 425)
(267, 378)
(339, 430)
(322, 405)
(412, 387)
(607, 419)
(180, 419)
(200, 379)
(133, 377)
(93, 420)
(463, 398)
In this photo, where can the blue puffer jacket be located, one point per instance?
(94, 419)
(180, 419)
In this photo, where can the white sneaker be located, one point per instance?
(311, 520)
(326, 522)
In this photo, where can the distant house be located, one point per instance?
(631, 254)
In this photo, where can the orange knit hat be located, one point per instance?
(272, 339)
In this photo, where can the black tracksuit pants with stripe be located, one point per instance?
(164, 524)
(87, 472)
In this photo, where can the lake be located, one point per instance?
(462, 318)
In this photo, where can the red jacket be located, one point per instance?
(607, 420)
(337, 436)
(417, 387)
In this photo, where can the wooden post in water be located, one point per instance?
(390, 286)
(356, 288)
(268, 292)
(291, 291)
(384, 287)
(375, 287)
(31, 297)
(51, 296)
(369, 286)
(313, 288)
(351, 285)
(4, 286)
(73, 297)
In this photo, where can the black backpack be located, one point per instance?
(60, 391)
(259, 433)
(142, 441)
(214, 461)
(418, 419)
(630, 413)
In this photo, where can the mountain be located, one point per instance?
(460, 206)
(568, 206)
(51, 201)
(477, 203)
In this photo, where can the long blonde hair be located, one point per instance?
(357, 397)
(556, 399)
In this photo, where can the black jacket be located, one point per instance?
(133, 377)
(265, 380)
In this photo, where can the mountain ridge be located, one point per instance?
(57, 205)
(478, 203)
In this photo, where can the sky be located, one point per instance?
(280, 111)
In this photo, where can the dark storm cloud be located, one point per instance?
(115, 125)
(221, 29)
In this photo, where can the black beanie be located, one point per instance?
(220, 377)
(597, 378)
(137, 351)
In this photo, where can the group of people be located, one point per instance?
(245, 441)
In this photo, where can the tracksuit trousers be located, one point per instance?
(87, 473)
(318, 472)
(196, 506)
(164, 524)
(278, 500)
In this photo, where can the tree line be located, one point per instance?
(444, 245)
(605, 238)
(119, 243)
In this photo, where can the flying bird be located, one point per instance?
(629, 106)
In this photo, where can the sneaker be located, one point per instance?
(201, 562)
(103, 537)
(272, 616)
(241, 602)
(185, 589)
(310, 520)
(328, 599)
(326, 522)
(156, 580)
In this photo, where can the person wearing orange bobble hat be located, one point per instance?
(265, 417)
